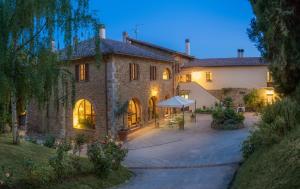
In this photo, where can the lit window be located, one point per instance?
(82, 72)
(166, 74)
(269, 77)
(208, 76)
(186, 96)
(134, 115)
(84, 115)
(188, 77)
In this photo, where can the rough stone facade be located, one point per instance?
(141, 90)
(111, 76)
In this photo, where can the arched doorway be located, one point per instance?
(152, 108)
(134, 113)
(84, 115)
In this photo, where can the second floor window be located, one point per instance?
(177, 68)
(152, 73)
(208, 76)
(82, 72)
(134, 70)
(166, 74)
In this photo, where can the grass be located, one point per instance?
(13, 156)
(277, 167)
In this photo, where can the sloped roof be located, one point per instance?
(224, 62)
(159, 47)
(107, 46)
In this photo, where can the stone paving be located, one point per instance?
(196, 158)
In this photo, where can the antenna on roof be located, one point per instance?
(136, 30)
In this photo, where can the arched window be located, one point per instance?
(84, 115)
(133, 113)
(166, 74)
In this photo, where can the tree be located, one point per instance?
(29, 66)
(276, 31)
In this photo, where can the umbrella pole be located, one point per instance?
(183, 115)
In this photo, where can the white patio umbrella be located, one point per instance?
(176, 102)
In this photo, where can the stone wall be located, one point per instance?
(51, 119)
(142, 89)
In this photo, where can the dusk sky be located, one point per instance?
(216, 28)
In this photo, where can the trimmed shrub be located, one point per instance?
(226, 118)
(277, 121)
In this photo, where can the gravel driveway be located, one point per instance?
(196, 158)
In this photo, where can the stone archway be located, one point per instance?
(84, 115)
(134, 113)
(152, 108)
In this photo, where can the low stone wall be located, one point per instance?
(237, 94)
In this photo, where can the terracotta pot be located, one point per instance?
(123, 135)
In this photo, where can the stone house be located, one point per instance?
(132, 74)
(123, 89)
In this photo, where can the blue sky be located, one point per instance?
(216, 28)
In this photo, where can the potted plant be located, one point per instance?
(123, 131)
(180, 122)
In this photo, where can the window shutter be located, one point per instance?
(150, 73)
(137, 72)
(130, 71)
(76, 73)
(155, 73)
(87, 71)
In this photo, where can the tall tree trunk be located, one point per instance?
(14, 117)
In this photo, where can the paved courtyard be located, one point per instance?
(196, 158)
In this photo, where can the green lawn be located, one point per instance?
(13, 156)
(277, 167)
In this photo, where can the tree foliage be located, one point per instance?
(29, 66)
(276, 31)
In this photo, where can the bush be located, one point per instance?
(60, 162)
(106, 156)
(226, 118)
(102, 163)
(228, 102)
(6, 177)
(50, 141)
(203, 110)
(36, 175)
(253, 101)
(277, 121)
(116, 153)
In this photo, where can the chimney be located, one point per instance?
(187, 47)
(102, 32)
(240, 53)
(125, 36)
